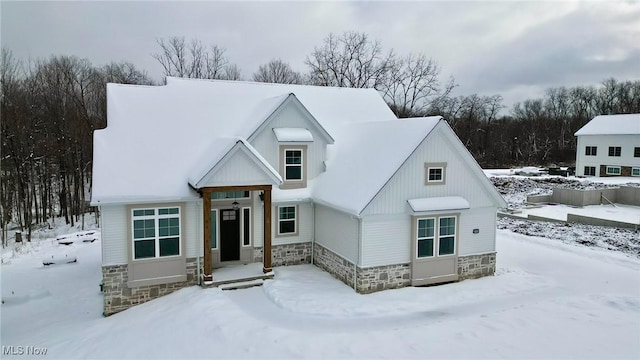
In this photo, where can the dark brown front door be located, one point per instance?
(229, 235)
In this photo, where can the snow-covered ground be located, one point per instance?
(548, 299)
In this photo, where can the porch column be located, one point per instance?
(266, 256)
(206, 212)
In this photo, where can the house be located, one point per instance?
(609, 145)
(199, 174)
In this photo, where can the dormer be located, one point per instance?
(292, 141)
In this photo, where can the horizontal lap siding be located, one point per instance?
(483, 219)
(386, 240)
(114, 234)
(337, 232)
(190, 232)
(305, 226)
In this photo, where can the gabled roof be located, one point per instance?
(157, 135)
(358, 166)
(625, 124)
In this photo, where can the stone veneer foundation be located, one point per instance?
(394, 276)
(118, 296)
(475, 266)
(291, 254)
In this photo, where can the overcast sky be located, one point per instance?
(516, 49)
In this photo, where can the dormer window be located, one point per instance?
(293, 166)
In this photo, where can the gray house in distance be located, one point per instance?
(197, 175)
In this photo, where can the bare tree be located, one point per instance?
(277, 71)
(350, 60)
(194, 60)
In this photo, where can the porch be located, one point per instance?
(239, 276)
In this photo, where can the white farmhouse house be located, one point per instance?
(197, 175)
(609, 145)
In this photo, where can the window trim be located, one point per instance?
(436, 234)
(635, 169)
(295, 221)
(591, 151)
(156, 218)
(286, 165)
(438, 165)
(293, 183)
(607, 167)
(418, 238)
(615, 151)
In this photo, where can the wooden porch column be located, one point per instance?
(266, 255)
(206, 213)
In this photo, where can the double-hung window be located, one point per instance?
(287, 220)
(591, 151)
(156, 232)
(589, 171)
(636, 152)
(292, 164)
(615, 150)
(436, 236)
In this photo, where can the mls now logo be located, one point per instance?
(23, 350)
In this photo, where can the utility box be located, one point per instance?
(18, 236)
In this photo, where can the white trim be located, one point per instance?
(433, 238)
(441, 174)
(613, 167)
(635, 169)
(242, 209)
(301, 165)
(436, 236)
(295, 220)
(156, 217)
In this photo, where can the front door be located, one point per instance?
(229, 235)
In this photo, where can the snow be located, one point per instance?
(439, 203)
(548, 299)
(625, 124)
(619, 212)
(293, 135)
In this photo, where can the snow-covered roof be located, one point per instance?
(625, 124)
(157, 136)
(293, 135)
(358, 166)
(438, 203)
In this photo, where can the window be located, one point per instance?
(613, 170)
(589, 171)
(214, 228)
(426, 237)
(430, 237)
(156, 232)
(591, 151)
(435, 173)
(614, 150)
(293, 165)
(229, 195)
(286, 220)
(246, 226)
(636, 152)
(635, 171)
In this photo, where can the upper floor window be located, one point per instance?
(591, 151)
(156, 232)
(614, 150)
(636, 152)
(293, 166)
(435, 173)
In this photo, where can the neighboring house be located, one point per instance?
(198, 174)
(609, 145)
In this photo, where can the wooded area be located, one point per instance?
(50, 107)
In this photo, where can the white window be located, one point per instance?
(436, 237)
(287, 220)
(292, 164)
(435, 174)
(156, 232)
(635, 171)
(613, 170)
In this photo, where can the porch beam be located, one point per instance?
(238, 188)
(206, 213)
(266, 255)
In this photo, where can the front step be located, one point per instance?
(253, 280)
(241, 285)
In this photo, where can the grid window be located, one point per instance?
(615, 150)
(435, 174)
(435, 233)
(156, 232)
(613, 170)
(447, 239)
(293, 164)
(591, 151)
(426, 237)
(589, 171)
(286, 220)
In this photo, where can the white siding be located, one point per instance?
(305, 225)
(386, 240)
(292, 117)
(409, 181)
(238, 170)
(114, 234)
(337, 232)
(192, 220)
(483, 219)
(626, 142)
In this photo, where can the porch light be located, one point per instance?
(236, 205)
(261, 196)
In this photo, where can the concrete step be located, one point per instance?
(241, 284)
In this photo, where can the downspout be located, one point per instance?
(200, 247)
(313, 231)
(355, 264)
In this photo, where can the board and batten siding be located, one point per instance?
(291, 117)
(238, 170)
(114, 234)
(337, 232)
(409, 180)
(386, 240)
(305, 225)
